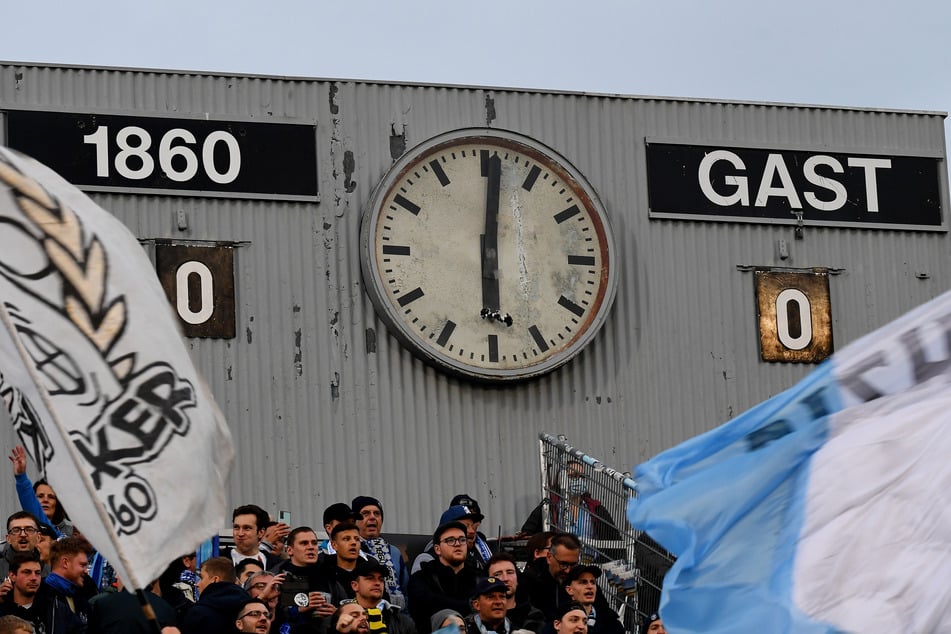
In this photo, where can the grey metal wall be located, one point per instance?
(325, 405)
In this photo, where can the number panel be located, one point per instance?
(795, 315)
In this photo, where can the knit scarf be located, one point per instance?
(375, 621)
(61, 585)
(483, 549)
(504, 628)
(381, 551)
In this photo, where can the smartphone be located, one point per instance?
(284, 516)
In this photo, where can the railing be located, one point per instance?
(633, 564)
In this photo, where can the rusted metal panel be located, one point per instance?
(199, 284)
(325, 404)
(795, 315)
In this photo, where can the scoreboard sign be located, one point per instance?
(98, 152)
(795, 315)
(199, 283)
(765, 185)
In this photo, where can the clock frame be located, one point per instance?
(488, 255)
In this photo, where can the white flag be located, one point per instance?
(97, 379)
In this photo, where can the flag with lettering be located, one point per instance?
(97, 380)
(823, 509)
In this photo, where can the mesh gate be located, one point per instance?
(633, 564)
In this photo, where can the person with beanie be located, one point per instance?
(445, 618)
(653, 625)
(368, 512)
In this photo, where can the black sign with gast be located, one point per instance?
(762, 184)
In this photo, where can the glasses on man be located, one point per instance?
(565, 565)
(256, 614)
(454, 541)
(22, 530)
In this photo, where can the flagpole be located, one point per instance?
(70, 447)
(148, 611)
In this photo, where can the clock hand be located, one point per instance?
(490, 247)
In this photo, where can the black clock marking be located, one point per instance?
(493, 348)
(397, 249)
(439, 172)
(410, 297)
(564, 302)
(539, 340)
(408, 205)
(484, 162)
(446, 333)
(580, 260)
(562, 216)
(531, 178)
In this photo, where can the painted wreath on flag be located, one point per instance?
(71, 327)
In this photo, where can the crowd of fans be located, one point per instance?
(282, 579)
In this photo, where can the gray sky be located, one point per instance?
(867, 53)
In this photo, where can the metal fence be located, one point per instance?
(582, 495)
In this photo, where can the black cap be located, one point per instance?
(366, 567)
(339, 512)
(464, 499)
(565, 608)
(650, 618)
(577, 571)
(437, 535)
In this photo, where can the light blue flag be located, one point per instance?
(822, 509)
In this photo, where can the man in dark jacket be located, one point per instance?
(20, 588)
(368, 585)
(120, 612)
(581, 585)
(544, 578)
(306, 578)
(62, 601)
(520, 613)
(219, 599)
(446, 582)
(488, 608)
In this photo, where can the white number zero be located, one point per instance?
(783, 301)
(208, 157)
(206, 290)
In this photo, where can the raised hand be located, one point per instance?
(18, 458)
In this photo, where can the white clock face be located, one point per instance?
(488, 255)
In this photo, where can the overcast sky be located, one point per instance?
(868, 53)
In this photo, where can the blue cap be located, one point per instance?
(460, 512)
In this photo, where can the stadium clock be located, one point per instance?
(488, 255)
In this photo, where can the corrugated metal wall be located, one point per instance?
(325, 405)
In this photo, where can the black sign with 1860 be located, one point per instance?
(96, 151)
